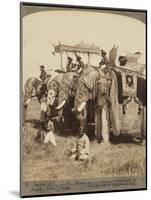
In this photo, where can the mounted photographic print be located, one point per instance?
(83, 99)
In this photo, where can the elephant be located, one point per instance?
(98, 95)
(107, 106)
(62, 90)
(85, 93)
(36, 88)
(33, 88)
(53, 86)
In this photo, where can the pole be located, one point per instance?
(61, 60)
(88, 58)
(142, 126)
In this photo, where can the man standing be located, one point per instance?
(43, 73)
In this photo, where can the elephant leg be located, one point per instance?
(24, 113)
(43, 114)
(82, 116)
(143, 122)
(105, 126)
(98, 124)
(83, 122)
(60, 122)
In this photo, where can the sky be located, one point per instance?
(44, 29)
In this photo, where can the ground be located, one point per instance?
(123, 157)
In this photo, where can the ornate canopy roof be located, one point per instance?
(79, 48)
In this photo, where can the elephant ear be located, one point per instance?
(114, 110)
(82, 94)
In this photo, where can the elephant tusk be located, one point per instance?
(27, 102)
(81, 107)
(73, 109)
(52, 101)
(61, 105)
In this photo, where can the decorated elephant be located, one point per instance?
(99, 94)
(53, 86)
(96, 95)
(32, 89)
(62, 91)
(39, 89)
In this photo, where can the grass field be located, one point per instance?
(46, 162)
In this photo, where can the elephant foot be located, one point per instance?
(139, 141)
(105, 143)
(99, 141)
(143, 142)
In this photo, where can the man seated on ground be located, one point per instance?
(49, 136)
(46, 134)
(81, 147)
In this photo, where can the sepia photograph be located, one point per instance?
(83, 99)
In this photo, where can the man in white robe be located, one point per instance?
(49, 134)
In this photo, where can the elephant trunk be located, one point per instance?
(51, 97)
(62, 98)
(26, 100)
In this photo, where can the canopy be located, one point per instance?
(79, 48)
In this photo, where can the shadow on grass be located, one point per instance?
(124, 139)
(67, 132)
(35, 123)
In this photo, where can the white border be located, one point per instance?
(9, 99)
